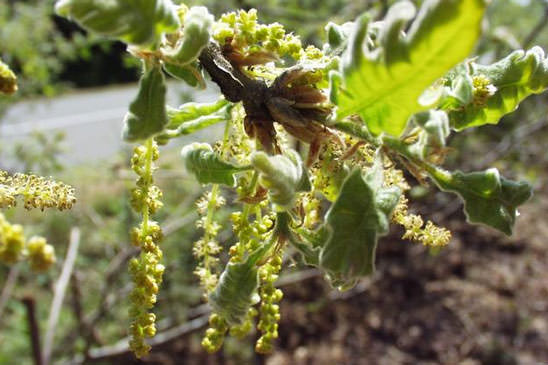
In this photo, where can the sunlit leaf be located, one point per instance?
(509, 81)
(381, 79)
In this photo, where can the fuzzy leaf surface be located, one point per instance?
(147, 114)
(355, 221)
(514, 78)
(207, 166)
(283, 176)
(489, 198)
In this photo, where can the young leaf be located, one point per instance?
(337, 37)
(510, 80)
(147, 114)
(284, 176)
(190, 111)
(187, 73)
(383, 84)
(135, 22)
(435, 130)
(191, 117)
(359, 216)
(196, 33)
(488, 198)
(207, 166)
(236, 290)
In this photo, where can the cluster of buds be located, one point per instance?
(13, 247)
(269, 309)
(36, 191)
(250, 234)
(215, 334)
(483, 90)
(146, 271)
(245, 42)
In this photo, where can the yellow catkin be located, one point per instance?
(429, 235)
(36, 192)
(146, 270)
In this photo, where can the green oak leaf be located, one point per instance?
(190, 111)
(283, 176)
(207, 166)
(510, 80)
(191, 74)
(489, 198)
(435, 129)
(147, 114)
(236, 290)
(337, 37)
(382, 81)
(192, 117)
(137, 22)
(355, 221)
(196, 35)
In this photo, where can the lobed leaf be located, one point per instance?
(383, 84)
(355, 221)
(147, 114)
(207, 166)
(511, 79)
(488, 198)
(138, 22)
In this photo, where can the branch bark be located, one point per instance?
(34, 330)
(59, 294)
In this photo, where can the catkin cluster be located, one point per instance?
(269, 309)
(36, 191)
(14, 247)
(146, 271)
(207, 249)
(429, 235)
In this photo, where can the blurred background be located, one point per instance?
(481, 300)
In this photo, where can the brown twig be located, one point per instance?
(8, 288)
(34, 330)
(59, 293)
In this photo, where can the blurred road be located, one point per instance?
(91, 119)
